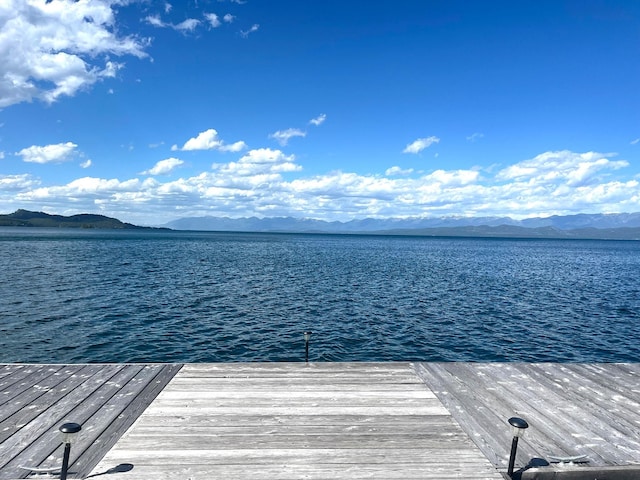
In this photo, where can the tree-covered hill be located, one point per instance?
(26, 218)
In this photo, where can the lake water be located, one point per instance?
(118, 296)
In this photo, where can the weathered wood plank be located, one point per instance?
(571, 408)
(283, 421)
(291, 456)
(22, 379)
(278, 421)
(123, 409)
(105, 399)
(314, 470)
(39, 437)
(471, 408)
(25, 393)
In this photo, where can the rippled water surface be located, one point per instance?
(109, 296)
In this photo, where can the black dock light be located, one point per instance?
(307, 336)
(69, 432)
(519, 426)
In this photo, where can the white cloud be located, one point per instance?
(208, 140)
(474, 137)
(55, 153)
(163, 167)
(283, 136)
(420, 144)
(51, 49)
(259, 162)
(255, 184)
(319, 120)
(86, 164)
(167, 7)
(575, 169)
(254, 28)
(187, 25)
(395, 170)
(11, 183)
(156, 21)
(635, 142)
(1, 155)
(213, 19)
(234, 147)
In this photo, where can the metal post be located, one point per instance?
(65, 461)
(512, 457)
(307, 336)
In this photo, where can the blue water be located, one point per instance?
(110, 296)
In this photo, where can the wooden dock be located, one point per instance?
(322, 420)
(572, 410)
(36, 399)
(297, 421)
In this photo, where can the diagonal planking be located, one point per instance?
(37, 399)
(572, 409)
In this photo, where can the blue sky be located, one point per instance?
(151, 111)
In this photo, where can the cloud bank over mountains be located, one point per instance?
(267, 182)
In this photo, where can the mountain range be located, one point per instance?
(614, 226)
(618, 226)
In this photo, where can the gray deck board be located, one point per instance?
(393, 420)
(105, 399)
(572, 409)
(294, 421)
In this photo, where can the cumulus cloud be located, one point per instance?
(208, 140)
(258, 162)
(319, 120)
(635, 142)
(55, 153)
(420, 144)
(283, 136)
(395, 170)
(228, 18)
(256, 184)
(573, 169)
(86, 164)
(246, 33)
(12, 183)
(163, 167)
(52, 49)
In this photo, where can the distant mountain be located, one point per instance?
(613, 226)
(25, 218)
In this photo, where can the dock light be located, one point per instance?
(307, 337)
(519, 426)
(69, 433)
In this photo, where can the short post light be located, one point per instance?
(519, 426)
(69, 433)
(307, 337)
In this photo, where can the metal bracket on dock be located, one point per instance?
(41, 471)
